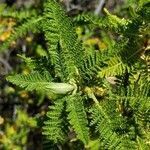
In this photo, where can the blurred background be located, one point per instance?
(21, 112)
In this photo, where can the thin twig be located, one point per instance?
(99, 7)
(6, 65)
(67, 3)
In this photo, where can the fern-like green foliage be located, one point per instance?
(137, 104)
(115, 67)
(7, 12)
(40, 64)
(77, 117)
(109, 138)
(53, 127)
(92, 65)
(30, 82)
(114, 116)
(69, 52)
(129, 31)
(109, 22)
(21, 31)
(41, 82)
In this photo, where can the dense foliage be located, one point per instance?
(99, 90)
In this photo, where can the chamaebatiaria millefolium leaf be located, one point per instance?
(103, 94)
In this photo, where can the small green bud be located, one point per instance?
(60, 88)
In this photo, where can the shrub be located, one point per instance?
(100, 99)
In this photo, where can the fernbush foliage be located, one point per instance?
(75, 80)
